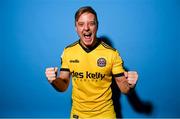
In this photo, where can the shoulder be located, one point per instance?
(72, 44)
(71, 48)
(105, 45)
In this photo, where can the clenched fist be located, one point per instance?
(132, 77)
(51, 73)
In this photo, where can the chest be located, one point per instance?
(94, 63)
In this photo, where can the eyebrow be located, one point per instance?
(88, 21)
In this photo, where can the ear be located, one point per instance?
(75, 28)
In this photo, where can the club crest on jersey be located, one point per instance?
(101, 62)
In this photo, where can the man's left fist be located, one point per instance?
(132, 77)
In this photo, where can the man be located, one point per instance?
(91, 63)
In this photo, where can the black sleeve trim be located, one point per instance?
(118, 75)
(64, 69)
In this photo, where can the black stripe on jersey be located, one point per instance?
(64, 69)
(107, 46)
(119, 75)
(73, 44)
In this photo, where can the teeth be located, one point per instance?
(87, 33)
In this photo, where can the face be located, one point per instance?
(86, 27)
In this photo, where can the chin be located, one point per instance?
(88, 43)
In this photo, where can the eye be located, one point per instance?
(80, 24)
(92, 23)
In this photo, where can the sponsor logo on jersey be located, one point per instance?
(74, 61)
(88, 75)
(101, 62)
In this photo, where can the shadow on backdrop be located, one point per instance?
(137, 104)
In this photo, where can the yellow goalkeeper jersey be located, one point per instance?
(91, 71)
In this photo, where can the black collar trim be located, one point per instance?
(89, 49)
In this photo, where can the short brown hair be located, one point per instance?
(84, 9)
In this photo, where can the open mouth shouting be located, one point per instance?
(87, 36)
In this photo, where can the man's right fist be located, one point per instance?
(51, 73)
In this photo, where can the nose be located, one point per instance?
(86, 27)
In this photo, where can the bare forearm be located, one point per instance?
(124, 86)
(60, 84)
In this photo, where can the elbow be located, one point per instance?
(61, 89)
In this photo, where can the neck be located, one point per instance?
(90, 46)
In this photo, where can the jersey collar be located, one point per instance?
(89, 49)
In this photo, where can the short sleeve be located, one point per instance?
(64, 63)
(117, 68)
